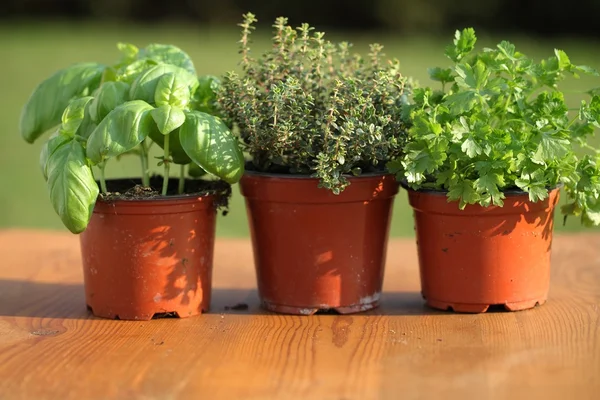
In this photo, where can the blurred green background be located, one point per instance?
(35, 42)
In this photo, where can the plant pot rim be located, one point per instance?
(312, 178)
(154, 199)
(441, 192)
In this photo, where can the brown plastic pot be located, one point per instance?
(149, 257)
(314, 250)
(474, 258)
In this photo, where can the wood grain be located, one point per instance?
(51, 348)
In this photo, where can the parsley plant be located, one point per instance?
(501, 123)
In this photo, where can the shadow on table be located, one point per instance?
(241, 301)
(42, 299)
(20, 298)
(404, 303)
(62, 300)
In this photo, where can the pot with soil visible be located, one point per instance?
(148, 250)
(319, 125)
(484, 163)
(147, 255)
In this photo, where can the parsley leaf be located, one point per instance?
(464, 192)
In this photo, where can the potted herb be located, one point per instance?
(147, 243)
(319, 124)
(485, 160)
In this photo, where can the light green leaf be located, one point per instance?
(144, 87)
(71, 185)
(487, 185)
(466, 77)
(120, 131)
(564, 63)
(46, 104)
(443, 75)
(550, 148)
(537, 192)
(172, 90)
(87, 126)
(461, 102)
(591, 112)
(128, 50)
(168, 54)
(109, 96)
(73, 115)
(586, 70)
(167, 118)
(463, 192)
(210, 144)
(55, 141)
(464, 43)
(471, 147)
(130, 72)
(507, 49)
(472, 77)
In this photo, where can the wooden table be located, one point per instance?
(51, 348)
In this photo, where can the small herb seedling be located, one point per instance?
(152, 95)
(500, 123)
(309, 106)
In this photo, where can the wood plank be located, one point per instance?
(51, 348)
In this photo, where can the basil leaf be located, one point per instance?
(46, 104)
(121, 130)
(129, 51)
(108, 97)
(211, 145)
(171, 90)
(73, 190)
(87, 125)
(130, 72)
(195, 171)
(55, 141)
(144, 87)
(73, 115)
(168, 54)
(167, 118)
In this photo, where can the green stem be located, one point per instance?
(181, 179)
(167, 166)
(101, 166)
(144, 158)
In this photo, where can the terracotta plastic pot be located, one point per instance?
(474, 258)
(314, 250)
(149, 257)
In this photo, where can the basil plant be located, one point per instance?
(99, 112)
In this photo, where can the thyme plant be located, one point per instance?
(310, 106)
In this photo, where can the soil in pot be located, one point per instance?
(146, 255)
(479, 257)
(314, 250)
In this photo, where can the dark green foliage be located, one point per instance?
(309, 106)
